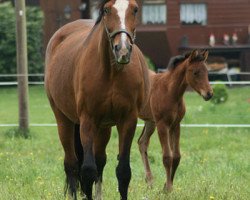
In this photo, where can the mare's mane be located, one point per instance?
(101, 12)
(177, 60)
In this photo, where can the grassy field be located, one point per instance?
(215, 162)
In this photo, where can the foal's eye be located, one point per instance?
(135, 10)
(107, 11)
(196, 73)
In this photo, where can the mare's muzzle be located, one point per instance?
(122, 54)
(123, 49)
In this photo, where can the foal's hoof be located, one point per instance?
(168, 188)
(149, 182)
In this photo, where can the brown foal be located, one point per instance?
(166, 108)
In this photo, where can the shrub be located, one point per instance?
(8, 40)
(220, 94)
(150, 63)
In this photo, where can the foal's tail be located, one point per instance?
(78, 145)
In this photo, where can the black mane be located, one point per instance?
(101, 12)
(176, 60)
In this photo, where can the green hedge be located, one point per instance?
(150, 63)
(8, 40)
(220, 94)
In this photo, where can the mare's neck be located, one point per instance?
(176, 80)
(104, 49)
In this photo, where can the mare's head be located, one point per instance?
(197, 74)
(119, 20)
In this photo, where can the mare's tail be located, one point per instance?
(78, 145)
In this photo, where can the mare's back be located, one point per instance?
(68, 39)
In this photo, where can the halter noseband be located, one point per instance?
(115, 32)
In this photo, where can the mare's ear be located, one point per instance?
(193, 55)
(205, 54)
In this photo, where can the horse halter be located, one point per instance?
(111, 36)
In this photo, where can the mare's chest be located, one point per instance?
(109, 100)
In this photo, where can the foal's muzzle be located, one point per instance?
(208, 96)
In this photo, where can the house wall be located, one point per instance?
(160, 42)
(54, 15)
(224, 16)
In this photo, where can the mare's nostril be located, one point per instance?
(117, 47)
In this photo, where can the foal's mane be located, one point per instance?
(177, 60)
(101, 12)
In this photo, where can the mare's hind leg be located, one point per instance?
(100, 142)
(88, 171)
(126, 131)
(66, 135)
(143, 143)
(167, 159)
(175, 134)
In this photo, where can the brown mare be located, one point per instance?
(94, 80)
(166, 108)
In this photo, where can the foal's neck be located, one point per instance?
(176, 80)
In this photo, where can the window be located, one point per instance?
(154, 12)
(192, 14)
(94, 11)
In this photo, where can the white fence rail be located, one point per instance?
(141, 125)
(229, 82)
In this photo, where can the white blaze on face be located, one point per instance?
(121, 6)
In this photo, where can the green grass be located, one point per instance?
(215, 162)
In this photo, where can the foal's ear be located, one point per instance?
(205, 54)
(193, 55)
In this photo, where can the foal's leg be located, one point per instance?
(123, 171)
(100, 143)
(143, 143)
(164, 136)
(66, 134)
(88, 170)
(175, 134)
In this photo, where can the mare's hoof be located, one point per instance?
(71, 197)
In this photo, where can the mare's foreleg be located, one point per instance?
(100, 143)
(126, 131)
(66, 135)
(167, 159)
(88, 171)
(175, 134)
(143, 143)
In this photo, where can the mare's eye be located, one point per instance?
(135, 10)
(107, 11)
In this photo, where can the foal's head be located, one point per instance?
(197, 74)
(119, 19)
